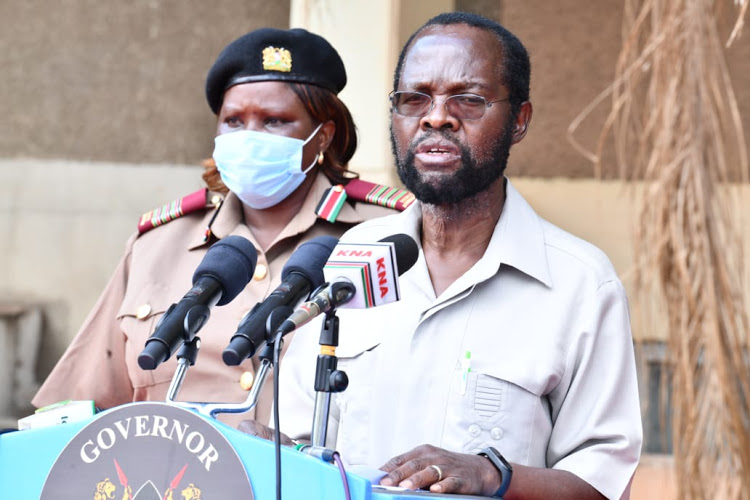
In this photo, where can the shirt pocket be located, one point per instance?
(138, 316)
(493, 407)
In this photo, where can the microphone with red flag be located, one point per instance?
(359, 276)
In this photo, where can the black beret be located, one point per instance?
(294, 55)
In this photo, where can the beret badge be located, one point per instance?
(266, 55)
(277, 59)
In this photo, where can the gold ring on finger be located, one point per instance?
(439, 473)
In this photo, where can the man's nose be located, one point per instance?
(438, 116)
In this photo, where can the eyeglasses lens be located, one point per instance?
(462, 106)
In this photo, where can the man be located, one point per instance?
(507, 367)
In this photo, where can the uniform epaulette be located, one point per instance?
(174, 210)
(363, 191)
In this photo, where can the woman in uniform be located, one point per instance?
(283, 143)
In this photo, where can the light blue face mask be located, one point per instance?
(262, 169)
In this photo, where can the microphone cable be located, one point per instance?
(277, 346)
(344, 479)
(276, 427)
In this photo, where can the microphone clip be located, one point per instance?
(328, 379)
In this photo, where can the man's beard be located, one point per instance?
(473, 177)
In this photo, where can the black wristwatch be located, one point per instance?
(502, 466)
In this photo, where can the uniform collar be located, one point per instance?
(224, 222)
(230, 216)
(348, 213)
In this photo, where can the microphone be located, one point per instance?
(302, 274)
(223, 273)
(366, 275)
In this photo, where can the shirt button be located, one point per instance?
(496, 433)
(143, 311)
(474, 430)
(260, 272)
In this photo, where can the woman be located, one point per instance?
(283, 140)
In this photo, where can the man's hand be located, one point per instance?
(257, 429)
(446, 472)
(442, 471)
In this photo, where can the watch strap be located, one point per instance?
(502, 466)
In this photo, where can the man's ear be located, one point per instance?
(522, 121)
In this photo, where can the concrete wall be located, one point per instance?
(123, 81)
(116, 81)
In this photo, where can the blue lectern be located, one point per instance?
(144, 451)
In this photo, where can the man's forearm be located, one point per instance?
(536, 483)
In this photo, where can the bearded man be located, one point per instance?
(507, 367)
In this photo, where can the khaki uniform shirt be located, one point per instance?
(155, 272)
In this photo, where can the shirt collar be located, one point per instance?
(518, 240)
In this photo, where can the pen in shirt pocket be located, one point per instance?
(465, 369)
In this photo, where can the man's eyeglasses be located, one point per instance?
(461, 106)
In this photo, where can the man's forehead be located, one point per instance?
(462, 34)
(459, 50)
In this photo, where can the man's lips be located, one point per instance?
(437, 153)
(438, 147)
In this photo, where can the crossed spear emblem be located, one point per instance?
(128, 495)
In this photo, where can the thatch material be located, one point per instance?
(676, 127)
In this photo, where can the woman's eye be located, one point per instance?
(233, 121)
(274, 121)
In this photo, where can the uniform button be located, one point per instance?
(496, 433)
(215, 199)
(246, 381)
(474, 430)
(143, 311)
(260, 272)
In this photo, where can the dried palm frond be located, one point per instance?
(676, 127)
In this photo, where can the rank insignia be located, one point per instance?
(365, 192)
(277, 59)
(378, 194)
(174, 210)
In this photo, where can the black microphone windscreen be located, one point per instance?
(310, 258)
(231, 261)
(407, 251)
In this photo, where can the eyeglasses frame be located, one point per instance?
(487, 104)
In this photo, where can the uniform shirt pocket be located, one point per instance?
(138, 316)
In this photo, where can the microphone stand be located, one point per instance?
(188, 353)
(328, 379)
(213, 409)
(186, 357)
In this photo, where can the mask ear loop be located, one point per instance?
(319, 158)
(315, 160)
